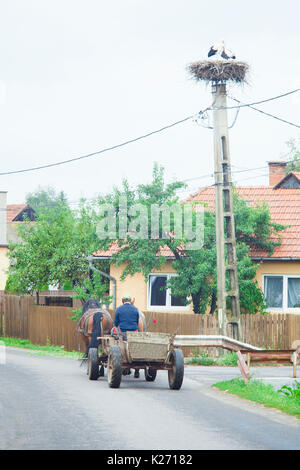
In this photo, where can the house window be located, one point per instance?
(159, 296)
(282, 292)
(273, 290)
(293, 292)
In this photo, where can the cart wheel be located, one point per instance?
(175, 374)
(150, 374)
(114, 367)
(93, 364)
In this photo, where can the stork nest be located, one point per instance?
(219, 71)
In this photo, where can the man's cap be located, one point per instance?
(126, 297)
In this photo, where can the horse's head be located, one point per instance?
(90, 303)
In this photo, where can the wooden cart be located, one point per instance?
(142, 350)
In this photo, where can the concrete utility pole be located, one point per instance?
(225, 229)
(218, 72)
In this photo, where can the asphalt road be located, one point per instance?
(49, 403)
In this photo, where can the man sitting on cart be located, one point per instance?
(127, 316)
(127, 319)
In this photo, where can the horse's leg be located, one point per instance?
(86, 341)
(89, 331)
(96, 330)
(87, 348)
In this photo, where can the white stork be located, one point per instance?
(220, 52)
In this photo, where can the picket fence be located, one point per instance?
(20, 317)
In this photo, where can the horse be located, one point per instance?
(94, 322)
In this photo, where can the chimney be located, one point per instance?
(3, 203)
(277, 171)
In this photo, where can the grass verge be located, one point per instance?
(266, 395)
(48, 350)
(203, 359)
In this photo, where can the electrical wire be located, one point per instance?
(267, 114)
(235, 118)
(203, 116)
(252, 177)
(260, 102)
(107, 149)
(136, 139)
(187, 180)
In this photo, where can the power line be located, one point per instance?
(191, 190)
(260, 102)
(136, 139)
(251, 177)
(107, 149)
(187, 180)
(226, 172)
(250, 105)
(268, 114)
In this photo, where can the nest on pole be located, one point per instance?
(219, 71)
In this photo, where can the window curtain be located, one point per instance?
(273, 290)
(158, 291)
(293, 293)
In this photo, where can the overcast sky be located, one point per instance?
(76, 77)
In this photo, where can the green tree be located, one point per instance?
(140, 254)
(92, 287)
(196, 269)
(53, 249)
(293, 155)
(45, 198)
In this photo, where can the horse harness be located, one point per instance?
(85, 319)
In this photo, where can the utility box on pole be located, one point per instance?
(218, 72)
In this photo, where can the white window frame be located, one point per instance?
(284, 308)
(168, 305)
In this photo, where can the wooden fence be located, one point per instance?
(53, 325)
(14, 315)
(270, 331)
(21, 318)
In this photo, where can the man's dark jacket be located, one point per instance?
(127, 317)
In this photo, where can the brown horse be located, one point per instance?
(94, 322)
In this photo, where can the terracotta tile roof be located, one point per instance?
(292, 175)
(12, 210)
(113, 249)
(284, 206)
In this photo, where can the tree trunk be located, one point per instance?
(213, 304)
(196, 302)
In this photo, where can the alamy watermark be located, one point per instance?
(179, 221)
